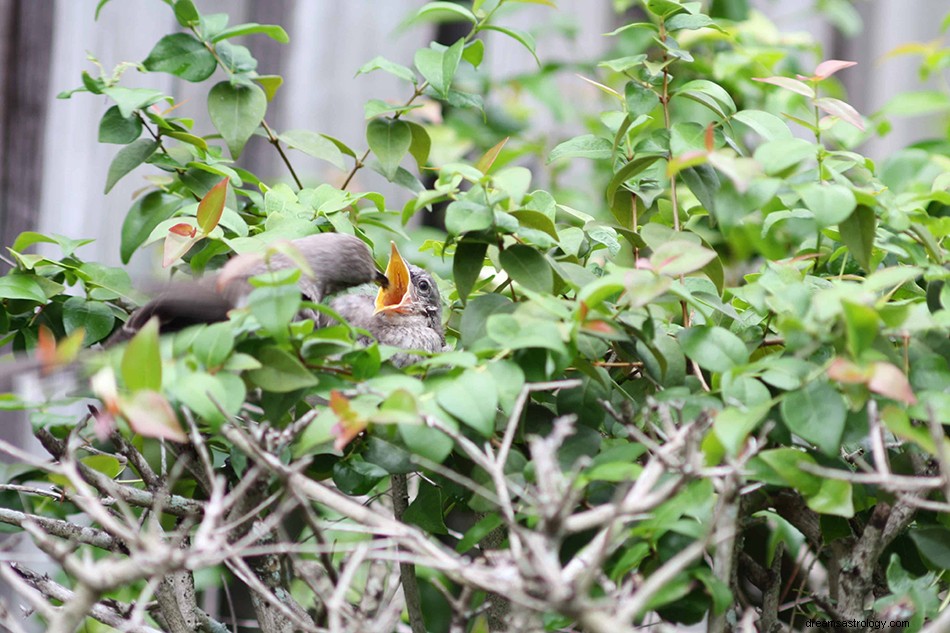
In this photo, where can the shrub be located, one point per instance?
(709, 383)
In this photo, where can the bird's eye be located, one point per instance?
(423, 285)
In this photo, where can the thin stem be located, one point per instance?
(271, 137)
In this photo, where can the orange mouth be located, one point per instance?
(396, 297)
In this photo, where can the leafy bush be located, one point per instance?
(710, 382)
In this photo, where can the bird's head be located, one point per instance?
(411, 290)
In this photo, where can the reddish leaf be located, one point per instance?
(829, 67)
(350, 423)
(179, 241)
(890, 382)
(485, 162)
(150, 415)
(212, 206)
(842, 110)
(46, 349)
(789, 84)
(709, 140)
(104, 386)
(844, 371)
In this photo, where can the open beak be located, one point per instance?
(396, 296)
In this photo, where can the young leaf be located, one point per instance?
(789, 84)
(212, 206)
(390, 140)
(141, 361)
(146, 213)
(178, 241)
(829, 67)
(484, 164)
(236, 112)
(149, 414)
(439, 66)
(842, 110)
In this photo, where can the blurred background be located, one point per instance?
(53, 169)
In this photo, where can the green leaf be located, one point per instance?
(713, 348)
(212, 206)
(21, 287)
(439, 66)
(181, 55)
(272, 31)
(639, 100)
(765, 124)
(474, 53)
(274, 307)
(421, 144)
(236, 112)
(779, 155)
(628, 171)
(477, 532)
(381, 63)
(427, 442)
(212, 398)
(680, 257)
(732, 425)
(861, 325)
(114, 128)
(709, 94)
(466, 266)
(933, 542)
(833, 497)
(270, 84)
(142, 361)
(93, 317)
(390, 140)
(131, 99)
(527, 267)
(148, 212)
(816, 413)
(857, 233)
(186, 13)
(440, 11)
(831, 203)
(214, 344)
(586, 146)
(280, 372)
(315, 145)
(522, 37)
(128, 158)
(472, 398)
(664, 8)
(426, 510)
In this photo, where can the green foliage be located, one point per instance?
(730, 263)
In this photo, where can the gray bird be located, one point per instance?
(329, 262)
(406, 314)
